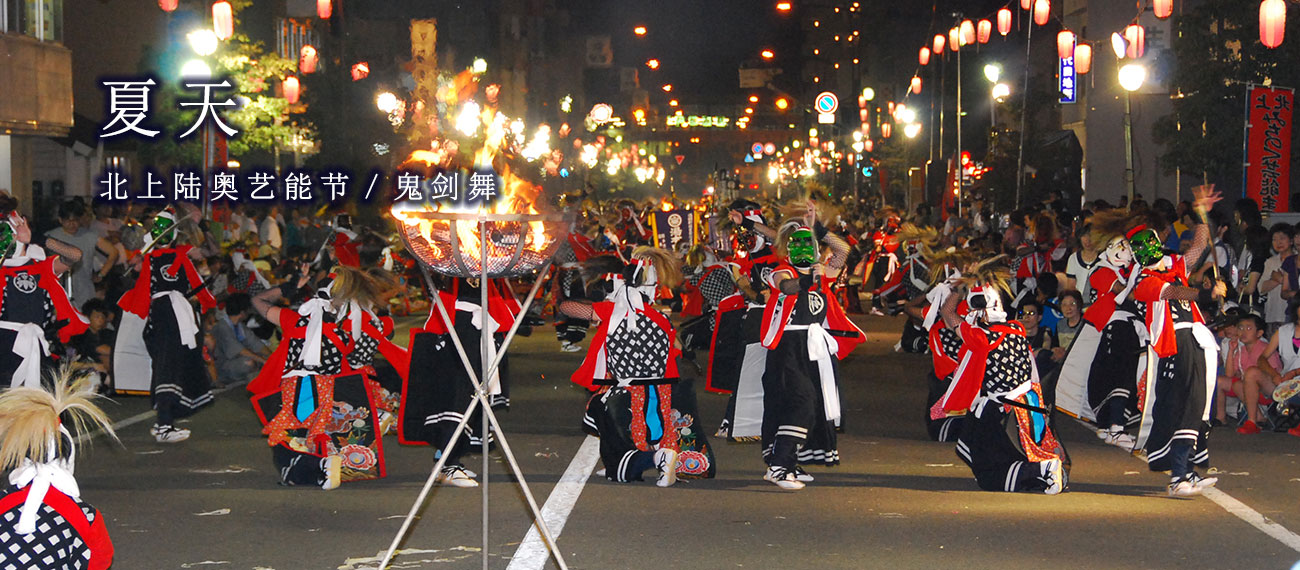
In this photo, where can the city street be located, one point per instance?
(897, 501)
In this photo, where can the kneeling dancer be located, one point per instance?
(996, 384)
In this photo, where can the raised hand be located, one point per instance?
(1206, 197)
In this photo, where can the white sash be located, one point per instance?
(30, 344)
(189, 328)
(821, 349)
(55, 473)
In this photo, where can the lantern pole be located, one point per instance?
(1024, 111)
(961, 170)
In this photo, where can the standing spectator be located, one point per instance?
(270, 229)
(72, 234)
(1274, 282)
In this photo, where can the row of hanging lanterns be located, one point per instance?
(324, 8)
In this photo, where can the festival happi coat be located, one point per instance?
(34, 308)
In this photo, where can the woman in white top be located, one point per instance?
(1080, 265)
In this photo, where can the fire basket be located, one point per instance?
(449, 242)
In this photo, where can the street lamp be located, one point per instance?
(1001, 91)
(386, 102)
(639, 30)
(203, 41)
(911, 130)
(196, 69)
(652, 64)
(1131, 77)
(783, 6)
(992, 72)
(767, 54)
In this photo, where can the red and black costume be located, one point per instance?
(316, 396)
(805, 334)
(180, 383)
(34, 311)
(44, 524)
(438, 391)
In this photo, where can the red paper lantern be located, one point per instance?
(1272, 22)
(223, 19)
(1162, 8)
(307, 59)
(1082, 58)
(868, 145)
(863, 114)
(291, 89)
(360, 71)
(1136, 36)
(954, 39)
(1064, 44)
(324, 9)
(967, 32)
(1042, 12)
(1026, 4)
(168, 5)
(916, 84)
(983, 30)
(938, 44)
(1004, 21)
(924, 57)
(886, 129)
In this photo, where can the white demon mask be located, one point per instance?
(1118, 252)
(985, 301)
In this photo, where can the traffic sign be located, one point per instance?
(826, 102)
(757, 148)
(679, 158)
(769, 149)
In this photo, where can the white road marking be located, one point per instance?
(83, 438)
(532, 553)
(1252, 517)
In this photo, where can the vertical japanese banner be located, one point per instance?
(673, 228)
(1268, 147)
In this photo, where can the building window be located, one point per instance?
(40, 19)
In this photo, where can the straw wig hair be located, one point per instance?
(665, 263)
(992, 272)
(30, 418)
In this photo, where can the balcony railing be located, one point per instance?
(40, 19)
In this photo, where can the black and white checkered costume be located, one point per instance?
(57, 543)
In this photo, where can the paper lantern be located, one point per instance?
(223, 19)
(954, 39)
(983, 30)
(168, 5)
(868, 145)
(1004, 21)
(886, 129)
(360, 71)
(1026, 4)
(1162, 8)
(938, 44)
(307, 59)
(967, 32)
(291, 89)
(1042, 12)
(1082, 58)
(1064, 44)
(924, 57)
(916, 84)
(863, 114)
(1118, 45)
(324, 9)
(1136, 37)
(1272, 22)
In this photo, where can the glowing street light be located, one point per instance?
(782, 103)
(668, 88)
(767, 54)
(203, 41)
(639, 30)
(672, 103)
(196, 69)
(1131, 77)
(753, 98)
(992, 72)
(479, 66)
(784, 7)
(386, 102)
(868, 94)
(652, 64)
(1001, 91)
(910, 130)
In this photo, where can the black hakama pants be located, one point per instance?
(795, 428)
(180, 383)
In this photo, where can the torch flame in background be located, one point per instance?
(499, 144)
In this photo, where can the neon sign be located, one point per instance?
(689, 121)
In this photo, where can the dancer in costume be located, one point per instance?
(572, 252)
(944, 343)
(44, 524)
(34, 307)
(179, 383)
(315, 395)
(438, 390)
(996, 386)
(708, 281)
(736, 354)
(805, 332)
(1182, 357)
(632, 368)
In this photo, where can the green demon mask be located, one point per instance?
(1147, 249)
(802, 248)
(7, 239)
(164, 226)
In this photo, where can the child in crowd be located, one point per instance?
(1274, 285)
(1243, 377)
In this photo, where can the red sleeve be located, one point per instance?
(1103, 281)
(136, 301)
(101, 546)
(196, 281)
(63, 309)
(1149, 288)
(974, 338)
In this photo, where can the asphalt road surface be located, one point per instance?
(897, 501)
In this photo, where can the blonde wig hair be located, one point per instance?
(30, 418)
(991, 272)
(665, 264)
(352, 284)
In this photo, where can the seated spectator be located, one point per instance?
(95, 346)
(1041, 340)
(1244, 376)
(1280, 361)
(236, 352)
(1071, 305)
